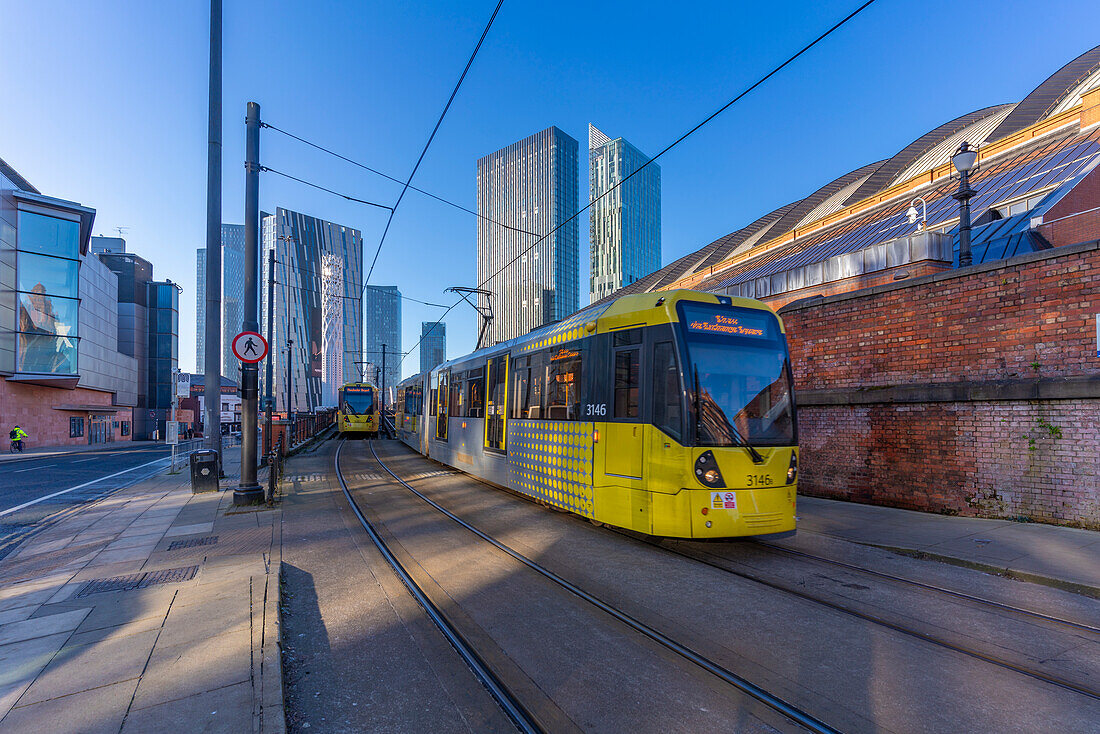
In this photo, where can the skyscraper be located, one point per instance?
(530, 188)
(625, 225)
(318, 307)
(433, 344)
(382, 325)
(232, 299)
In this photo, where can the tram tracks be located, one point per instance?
(726, 564)
(525, 719)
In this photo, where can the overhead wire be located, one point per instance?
(375, 171)
(454, 92)
(669, 147)
(268, 169)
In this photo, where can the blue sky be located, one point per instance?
(105, 103)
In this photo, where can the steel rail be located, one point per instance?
(931, 587)
(769, 699)
(524, 720)
(1022, 670)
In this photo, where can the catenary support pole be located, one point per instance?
(212, 364)
(383, 380)
(269, 391)
(249, 490)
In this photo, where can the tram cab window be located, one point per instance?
(475, 393)
(563, 400)
(628, 375)
(666, 390)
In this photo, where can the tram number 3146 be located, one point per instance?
(758, 480)
(595, 409)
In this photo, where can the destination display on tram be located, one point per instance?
(352, 389)
(733, 323)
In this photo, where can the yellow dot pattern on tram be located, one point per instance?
(567, 330)
(552, 460)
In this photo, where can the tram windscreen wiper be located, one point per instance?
(734, 433)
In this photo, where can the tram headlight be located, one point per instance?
(707, 471)
(792, 470)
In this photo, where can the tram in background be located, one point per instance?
(671, 414)
(358, 409)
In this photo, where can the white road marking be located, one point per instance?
(33, 468)
(79, 486)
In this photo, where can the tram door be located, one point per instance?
(496, 403)
(442, 400)
(625, 429)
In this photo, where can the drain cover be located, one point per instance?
(138, 580)
(193, 542)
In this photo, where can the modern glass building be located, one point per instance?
(382, 325)
(524, 192)
(232, 298)
(162, 352)
(63, 375)
(318, 331)
(624, 222)
(433, 344)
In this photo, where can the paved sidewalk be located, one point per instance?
(1058, 556)
(152, 610)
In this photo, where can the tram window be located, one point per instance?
(628, 337)
(666, 389)
(475, 395)
(458, 404)
(627, 378)
(563, 383)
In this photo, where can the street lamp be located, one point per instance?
(964, 160)
(913, 215)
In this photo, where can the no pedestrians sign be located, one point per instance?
(249, 346)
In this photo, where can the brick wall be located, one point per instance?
(32, 407)
(915, 394)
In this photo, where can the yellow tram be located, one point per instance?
(670, 414)
(359, 409)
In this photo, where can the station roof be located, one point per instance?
(868, 205)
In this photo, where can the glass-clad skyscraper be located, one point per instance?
(433, 344)
(527, 190)
(382, 325)
(317, 307)
(232, 299)
(624, 225)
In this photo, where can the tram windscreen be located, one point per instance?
(357, 402)
(738, 358)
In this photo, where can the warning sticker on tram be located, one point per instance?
(723, 501)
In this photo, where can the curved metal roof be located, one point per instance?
(1046, 97)
(885, 174)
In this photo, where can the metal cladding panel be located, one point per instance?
(898, 252)
(874, 258)
(814, 273)
(851, 264)
(777, 283)
(796, 278)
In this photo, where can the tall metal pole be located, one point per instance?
(269, 392)
(212, 364)
(963, 196)
(383, 380)
(249, 490)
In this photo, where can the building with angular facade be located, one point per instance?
(317, 327)
(525, 192)
(625, 217)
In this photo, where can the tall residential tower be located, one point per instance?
(382, 325)
(232, 299)
(528, 190)
(433, 344)
(624, 225)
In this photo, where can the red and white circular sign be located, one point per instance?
(249, 346)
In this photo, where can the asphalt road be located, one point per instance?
(26, 485)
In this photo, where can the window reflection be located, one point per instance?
(49, 235)
(47, 315)
(48, 275)
(48, 354)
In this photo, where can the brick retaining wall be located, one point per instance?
(974, 391)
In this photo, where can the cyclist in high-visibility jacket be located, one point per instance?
(17, 434)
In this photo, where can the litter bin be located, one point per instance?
(204, 471)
